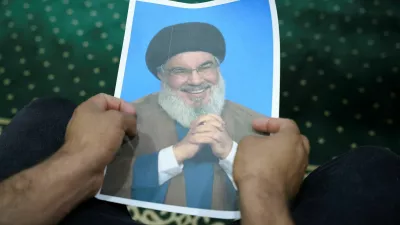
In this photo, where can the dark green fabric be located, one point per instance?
(339, 78)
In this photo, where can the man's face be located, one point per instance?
(192, 75)
(191, 86)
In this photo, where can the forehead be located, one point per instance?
(189, 59)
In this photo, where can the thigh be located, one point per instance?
(35, 133)
(360, 187)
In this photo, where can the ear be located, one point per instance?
(218, 74)
(159, 76)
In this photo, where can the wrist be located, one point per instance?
(270, 201)
(227, 151)
(263, 186)
(178, 153)
(78, 169)
(224, 155)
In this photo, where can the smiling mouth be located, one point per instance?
(196, 91)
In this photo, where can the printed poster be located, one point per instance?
(197, 74)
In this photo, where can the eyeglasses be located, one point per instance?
(204, 69)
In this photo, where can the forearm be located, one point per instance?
(260, 205)
(44, 194)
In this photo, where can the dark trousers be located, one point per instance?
(361, 187)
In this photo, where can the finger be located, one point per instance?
(108, 102)
(205, 129)
(204, 138)
(130, 125)
(275, 125)
(306, 144)
(124, 121)
(208, 118)
(216, 117)
(211, 125)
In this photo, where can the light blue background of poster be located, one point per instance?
(248, 66)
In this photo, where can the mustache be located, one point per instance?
(192, 88)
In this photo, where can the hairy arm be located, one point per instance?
(263, 205)
(45, 193)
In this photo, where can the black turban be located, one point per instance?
(184, 37)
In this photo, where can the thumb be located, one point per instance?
(107, 102)
(130, 125)
(275, 125)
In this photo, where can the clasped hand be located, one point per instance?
(208, 129)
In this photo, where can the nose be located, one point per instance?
(195, 78)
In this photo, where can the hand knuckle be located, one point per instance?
(101, 95)
(291, 122)
(78, 109)
(81, 109)
(98, 96)
(305, 143)
(304, 138)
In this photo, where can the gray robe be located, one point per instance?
(156, 131)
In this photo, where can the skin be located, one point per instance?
(268, 171)
(190, 60)
(207, 129)
(75, 172)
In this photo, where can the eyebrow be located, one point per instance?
(206, 62)
(183, 67)
(176, 67)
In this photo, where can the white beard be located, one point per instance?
(184, 114)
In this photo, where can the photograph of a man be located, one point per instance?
(188, 131)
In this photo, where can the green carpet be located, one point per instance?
(340, 75)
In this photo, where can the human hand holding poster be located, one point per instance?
(197, 75)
